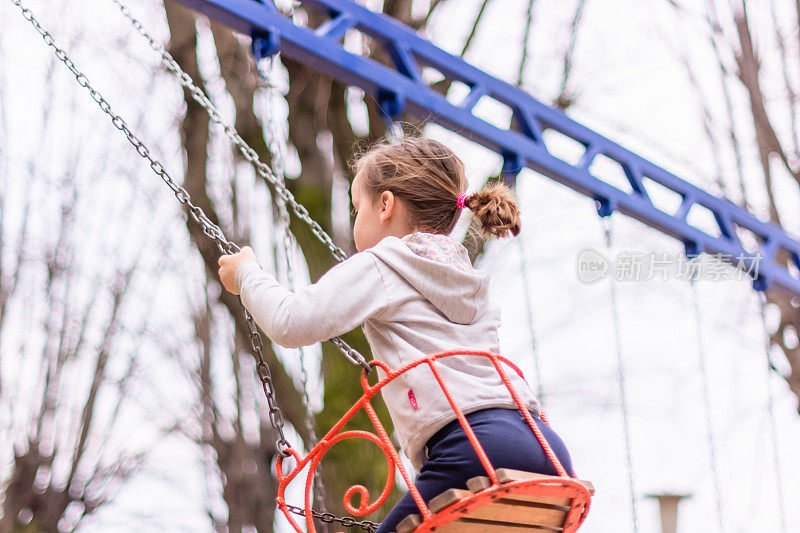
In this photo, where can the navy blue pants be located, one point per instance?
(508, 442)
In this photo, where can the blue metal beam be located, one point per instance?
(402, 87)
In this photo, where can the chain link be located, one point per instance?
(701, 359)
(526, 292)
(608, 233)
(283, 198)
(210, 229)
(277, 146)
(250, 155)
(776, 456)
(329, 518)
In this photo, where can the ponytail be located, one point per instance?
(496, 209)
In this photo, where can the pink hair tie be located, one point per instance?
(461, 200)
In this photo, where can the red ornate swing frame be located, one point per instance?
(561, 486)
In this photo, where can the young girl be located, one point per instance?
(414, 291)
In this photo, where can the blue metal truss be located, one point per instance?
(402, 86)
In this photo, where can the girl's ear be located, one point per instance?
(387, 206)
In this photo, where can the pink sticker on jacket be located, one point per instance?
(412, 399)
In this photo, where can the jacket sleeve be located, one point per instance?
(343, 298)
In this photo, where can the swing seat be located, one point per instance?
(522, 501)
(502, 501)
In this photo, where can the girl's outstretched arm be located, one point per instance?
(343, 298)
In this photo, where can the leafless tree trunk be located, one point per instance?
(769, 147)
(734, 39)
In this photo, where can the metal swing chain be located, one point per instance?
(276, 145)
(279, 165)
(608, 232)
(329, 518)
(284, 197)
(209, 228)
(523, 265)
(712, 446)
(250, 155)
(200, 97)
(776, 458)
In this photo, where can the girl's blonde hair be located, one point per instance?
(429, 177)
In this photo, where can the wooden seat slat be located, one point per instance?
(467, 525)
(521, 514)
(506, 475)
(507, 509)
(447, 498)
(409, 523)
(477, 484)
(506, 514)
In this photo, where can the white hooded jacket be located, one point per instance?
(412, 296)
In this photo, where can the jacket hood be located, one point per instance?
(438, 267)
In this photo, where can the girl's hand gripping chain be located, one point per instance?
(228, 264)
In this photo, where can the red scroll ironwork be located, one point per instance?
(560, 486)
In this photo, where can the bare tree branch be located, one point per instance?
(791, 95)
(705, 111)
(766, 138)
(523, 62)
(565, 97)
(716, 34)
(474, 30)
